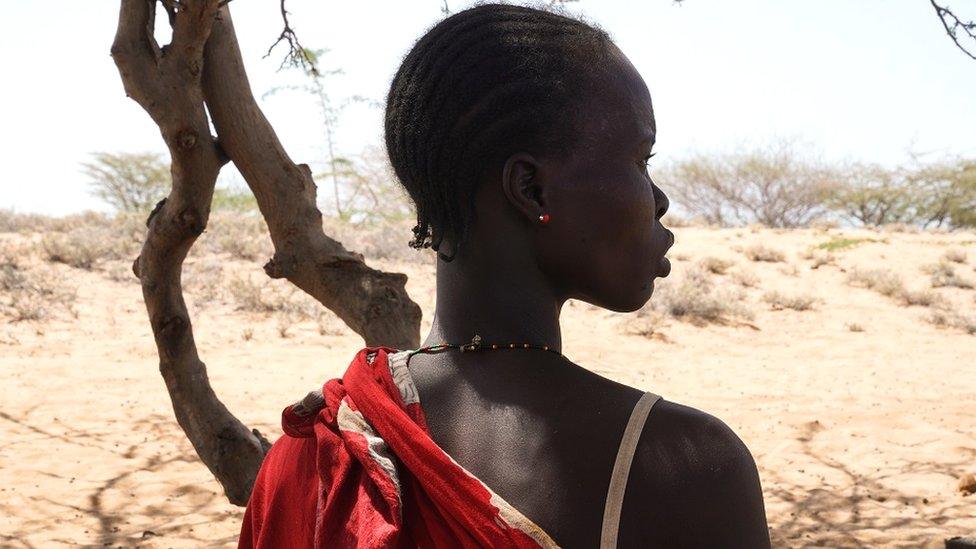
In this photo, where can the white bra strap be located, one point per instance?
(621, 470)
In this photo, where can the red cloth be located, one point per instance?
(362, 471)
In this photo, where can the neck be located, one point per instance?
(511, 304)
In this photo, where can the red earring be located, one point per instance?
(544, 218)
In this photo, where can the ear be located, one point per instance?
(523, 185)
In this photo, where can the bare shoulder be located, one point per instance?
(693, 482)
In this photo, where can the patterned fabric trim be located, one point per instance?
(401, 376)
(353, 421)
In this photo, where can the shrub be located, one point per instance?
(696, 299)
(944, 275)
(759, 252)
(13, 222)
(271, 296)
(955, 255)
(775, 185)
(241, 236)
(953, 319)
(204, 279)
(884, 282)
(129, 182)
(33, 293)
(922, 298)
(797, 302)
(233, 199)
(819, 258)
(81, 249)
(945, 192)
(716, 265)
(747, 279)
(891, 285)
(873, 195)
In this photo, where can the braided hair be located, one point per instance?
(480, 85)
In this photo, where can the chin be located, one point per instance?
(631, 303)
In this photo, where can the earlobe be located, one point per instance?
(521, 182)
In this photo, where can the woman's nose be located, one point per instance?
(660, 200)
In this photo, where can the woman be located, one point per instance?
(523, 138)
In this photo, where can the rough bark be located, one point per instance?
(373, 303)
(167, 83)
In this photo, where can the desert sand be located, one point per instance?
(859, 410)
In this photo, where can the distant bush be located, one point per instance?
(936, 194)
(240, 235)
(129, 182)
(873, 195)
(233, 199)
(945, 193)
(776, 186)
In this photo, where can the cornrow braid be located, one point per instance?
(478, 86)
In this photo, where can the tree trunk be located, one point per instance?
(168, 83)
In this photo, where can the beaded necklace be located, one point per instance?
(477, 345)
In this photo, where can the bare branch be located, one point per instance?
(373, 303)
(297, 54)
(953, 25)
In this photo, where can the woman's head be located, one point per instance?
(501, 113)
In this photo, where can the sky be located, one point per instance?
(871, 80)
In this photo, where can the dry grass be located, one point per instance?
(760, 252)
(922, 298)
(716, 265)
(818, 257)
(891, 285)
(32, 292)
(953, 319)
(943, 275)
(955, 255)
(882, 281)
(696, 299)
(745, 278)
(204, 280)
(796, 302)
(790, 270)
(288, 304)
(93, 240)
(239, 236)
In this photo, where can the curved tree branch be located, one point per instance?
(968, 28)
(166, 83)
(373, 303)
(176, 84)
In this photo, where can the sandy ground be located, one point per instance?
(860, 436)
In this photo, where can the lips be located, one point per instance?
(665, 267)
